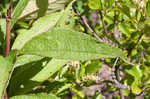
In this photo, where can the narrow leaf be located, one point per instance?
(18, 10)
(43, 24)
(6, 65)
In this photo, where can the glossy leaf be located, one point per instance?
(64, 43)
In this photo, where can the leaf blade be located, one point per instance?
(62, 43)
(5, 69)
(18, 10)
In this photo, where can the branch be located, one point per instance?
(7, 46)
(83, 18)
(8, 20)
(103, 23)
(116, 79)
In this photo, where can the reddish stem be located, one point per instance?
(8, 18)
(7, 46)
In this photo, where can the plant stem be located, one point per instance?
(103, 23)
(7, 46)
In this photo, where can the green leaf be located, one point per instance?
(95, 4)
(6, 66)
(107, 3)
(21, 82)
(65, 16)
(35, 96)
(35, 9)
(2, 31)
(25, 59)
(135, 87)
(53, 66)
(43, 24)
(135, 72)
(93, 67)
(64, 43)
(18, 10)
(148, 8)
(124, 29)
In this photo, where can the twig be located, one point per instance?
(116, 80)
(83, 18)
(103, 23)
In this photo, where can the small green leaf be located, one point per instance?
(126, 92)
(124, 29)
(93, 67)
(95, 4)
(64, 43)
(35, 96)
(135, 87)
(135, 72)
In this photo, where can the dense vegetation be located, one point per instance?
(75, 49)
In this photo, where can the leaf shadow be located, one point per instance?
(21, 82)
(1, 41)
(43, 6)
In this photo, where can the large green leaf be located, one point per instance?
(18, 10)
(6, 66)
(36, 96)
(64, 43)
